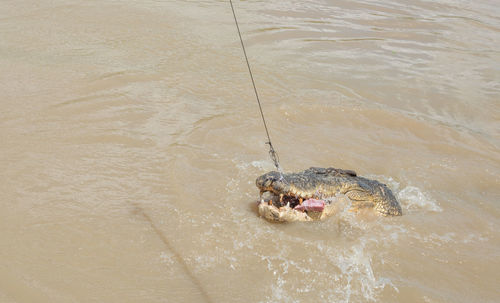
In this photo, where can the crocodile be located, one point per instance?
(307, 195)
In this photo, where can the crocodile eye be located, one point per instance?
(268, 180)
(265, 181)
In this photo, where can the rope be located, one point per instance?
(272, 153)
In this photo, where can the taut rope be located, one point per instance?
(272, 153)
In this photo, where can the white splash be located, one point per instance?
(413, 199)
(264, 165)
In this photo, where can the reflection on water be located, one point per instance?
(130, 141)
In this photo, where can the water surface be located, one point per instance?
(130, 140)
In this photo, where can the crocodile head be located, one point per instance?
(306, 191)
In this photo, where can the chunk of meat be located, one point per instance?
(311, 205)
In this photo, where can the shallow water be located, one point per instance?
(130, 140)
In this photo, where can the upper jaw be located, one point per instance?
(292, 192)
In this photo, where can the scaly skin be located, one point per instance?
(324, 183)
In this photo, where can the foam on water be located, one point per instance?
(343, 273)
(264, 165)
(339, 258)
(413, 199)
(346, 274)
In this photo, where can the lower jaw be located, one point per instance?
(294, 210)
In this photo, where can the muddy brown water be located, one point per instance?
(130, 141)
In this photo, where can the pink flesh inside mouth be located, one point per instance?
(311, 205)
